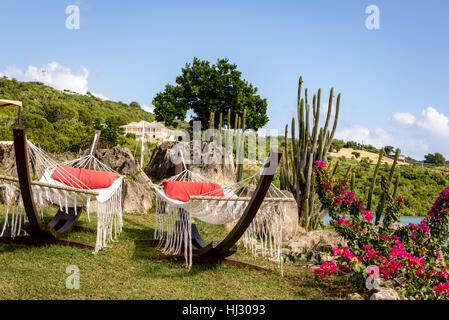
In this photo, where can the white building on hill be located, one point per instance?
(153, 131)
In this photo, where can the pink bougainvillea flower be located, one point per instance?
(368, 215)
(320, 164)
(326, 268)
(343, 221)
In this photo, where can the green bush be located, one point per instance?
(62, 121)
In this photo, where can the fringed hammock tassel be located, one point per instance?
(174, 218)
(109, 200)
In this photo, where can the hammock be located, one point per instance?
(73, 194)
(174, 218)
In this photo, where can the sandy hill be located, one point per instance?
(347, 153)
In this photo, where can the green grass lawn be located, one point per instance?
(126, 271)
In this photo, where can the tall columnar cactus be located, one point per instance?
(312, 144)
(373, 181)
(383, 197)
(212, 120)
(240, 138)
(239, 134)
(220, 122)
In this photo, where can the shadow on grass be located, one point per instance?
(320, 289)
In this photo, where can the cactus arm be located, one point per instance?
(337, 112)
(373, 181)
(381, 205)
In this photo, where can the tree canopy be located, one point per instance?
(437, 159)
(388, 150)
(64, 121)
(205, 88)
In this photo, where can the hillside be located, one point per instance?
(419, 186)
(347, 153)
(62, 121)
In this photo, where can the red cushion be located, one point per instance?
(90, 179)
(182, 190)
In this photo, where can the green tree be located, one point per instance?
(388, 150)
(85, 116)
(57, 111)
(436, 159)
(356, 154)
(353, 145)
(135, 104)
(109, 132)
(205, 88)
(119, 120)
(337, 145)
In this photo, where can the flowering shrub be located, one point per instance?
(410, 253)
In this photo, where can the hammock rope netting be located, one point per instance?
(105, 202)
(174, 218)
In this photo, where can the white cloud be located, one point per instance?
(148, 108)
(54, 75)
(100, 96)
(415, 135)
(404, 119)
(434, 124)
(377, 137)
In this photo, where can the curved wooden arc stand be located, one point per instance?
(39, 232)
(214, 252)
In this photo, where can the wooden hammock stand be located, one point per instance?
(219, 252)
(39, 232)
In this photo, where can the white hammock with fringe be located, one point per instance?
(108, 201)
(174, 217)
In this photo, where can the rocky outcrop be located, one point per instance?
(137, 193)
(120, 159)
(355, 296)
(290, 226)
(161, 165)
(318, 241)
(7, 158)
(211, 161)
(385, 294)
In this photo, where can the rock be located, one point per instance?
(291, 220)
(137, 194)
(385, 283)
(7, 158)
(221, 171)
(355, 296)
(319, 241)
(385, 294)
(300, 230)
(119, 159)
(161, 165)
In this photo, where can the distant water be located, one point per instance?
(405, 220)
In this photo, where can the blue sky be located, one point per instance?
(394, 81)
